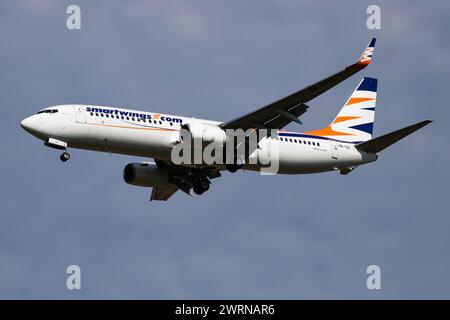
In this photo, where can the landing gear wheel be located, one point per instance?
(233, 167)
(204, 185)
(201, 187)
(64, 156)
(197, 189)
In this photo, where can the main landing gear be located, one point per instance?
(64, 156)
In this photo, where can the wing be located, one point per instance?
(280, 113)
(163, 193)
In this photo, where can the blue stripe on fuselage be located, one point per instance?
(302, 135)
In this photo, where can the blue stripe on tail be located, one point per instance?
(368, 84)
(366, 127)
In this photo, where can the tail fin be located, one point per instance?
(354, 123)
(380, 143)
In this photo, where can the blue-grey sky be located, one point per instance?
(250, 236)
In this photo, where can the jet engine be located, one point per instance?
(145, 174)
(204, 143)
(204, 133)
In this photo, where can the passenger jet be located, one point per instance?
(343, 145)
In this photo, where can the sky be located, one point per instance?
(250, 236)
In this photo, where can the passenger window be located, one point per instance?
(309, 142)
(171, 124)
(160, 122)
(101, 114)
(92, 113)
(128, 118)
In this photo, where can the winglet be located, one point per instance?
(366, 57)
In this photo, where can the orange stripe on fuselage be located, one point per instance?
(357, 100)
(130, 127)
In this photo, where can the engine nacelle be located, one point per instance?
(202, 134)
(145, 174)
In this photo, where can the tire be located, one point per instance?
(201, 187)
(64, 157)
(204, 185)
(198, 189)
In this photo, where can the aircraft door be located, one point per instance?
(80, 115)
(334, 150)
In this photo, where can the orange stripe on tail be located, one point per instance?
(327, 132)
(357, 100)
(341, 119)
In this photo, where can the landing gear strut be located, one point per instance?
(65, 156)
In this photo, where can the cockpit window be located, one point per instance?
(48, 111)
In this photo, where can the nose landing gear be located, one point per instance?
(60, 145)
(64, 156)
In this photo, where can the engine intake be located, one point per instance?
(145, 174)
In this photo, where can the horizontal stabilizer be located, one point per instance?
(381, 143)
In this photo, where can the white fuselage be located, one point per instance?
(154, 135)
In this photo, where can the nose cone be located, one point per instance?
(25, 124)
(30, 125)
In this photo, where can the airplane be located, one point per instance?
(343, 145)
